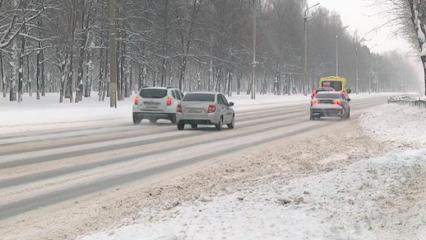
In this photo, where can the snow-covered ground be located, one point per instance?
(48, 113)
(396, 123)
(354, 203)
(376, 198)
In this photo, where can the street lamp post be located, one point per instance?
(253, 77)
(305, 22)
(337, 51)
(337, 55)
(357, 65)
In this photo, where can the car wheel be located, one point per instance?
(180, 126)
(153, 120)
(232, 124)
(136, 120)
(219, 125)
(312, 117)
(173, 119)
(194, 126)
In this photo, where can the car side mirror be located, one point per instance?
(231, 104)
(349, 100)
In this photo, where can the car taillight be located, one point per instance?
(314, 103)
(136, 101)
(169, 101)
(211, 109)
(338, 102)
(179, 108)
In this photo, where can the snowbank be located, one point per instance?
(396, 123)
(361, 202)
(48, 113)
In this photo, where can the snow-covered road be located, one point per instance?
(66, 181)
(373, 198)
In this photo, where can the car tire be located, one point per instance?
(180, 126)
(153, 120)
(232, 124)
(194, 126)
(136, 120)
(173, 119)
(312, 117)
(220, 124)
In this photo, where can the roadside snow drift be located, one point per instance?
(48, 113)
(396, 123)
(371, 199)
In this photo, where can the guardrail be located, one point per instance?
(405, 100)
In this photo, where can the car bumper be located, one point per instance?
(201, 119)
(152, 115)
(327, 112)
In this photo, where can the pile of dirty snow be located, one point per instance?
(371, 199)
(396, 123)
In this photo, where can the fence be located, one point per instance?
(406, 100)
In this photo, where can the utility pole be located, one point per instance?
(305, 71)
(357, 64)
(305, 26)
(337, 55)
(337, 51)
(357, 70)
(113, 53)
(253, 76)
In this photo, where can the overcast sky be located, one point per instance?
(363, 16)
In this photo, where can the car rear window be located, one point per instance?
(198, 97)
(153, 93)
(328, 95)
(336, 85)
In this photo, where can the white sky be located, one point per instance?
(363, 16)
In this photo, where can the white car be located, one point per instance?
(155, 103)
(205, 108)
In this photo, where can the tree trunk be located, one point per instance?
(165, 43)
(423, 58)
(29, 77)
(113, 53)
(38, 73)
(229, 84)
(3, 79)
(21, 70)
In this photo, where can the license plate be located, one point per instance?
(195, 111)
(151, 106)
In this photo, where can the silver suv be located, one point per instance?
(205, 108)
(155, 103)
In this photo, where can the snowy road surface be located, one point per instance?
(41, 170)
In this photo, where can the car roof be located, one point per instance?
(330, 92)
(212, 93)
(162, 88)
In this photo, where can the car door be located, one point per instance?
(227, 111)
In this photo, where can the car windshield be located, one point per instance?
(336, 85)
(153, 93)
(329, 96)
(199, 97)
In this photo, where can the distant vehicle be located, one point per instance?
(155, 103)
(339, 84)
(205, 108)
(330, 104)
